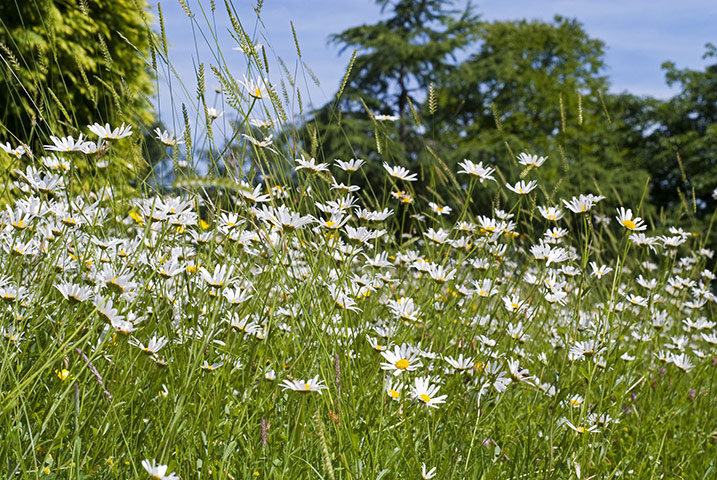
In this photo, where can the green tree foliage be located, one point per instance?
(69, 63)
(396, 59)
(66, 64)
(401, 55)
(682, 152)
(537, 87)
(525, 86)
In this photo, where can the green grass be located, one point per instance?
(80, 399)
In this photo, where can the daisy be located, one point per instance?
(425, 392)
(498, 377)
(66, 144)
(375, 345)
(400, 173)
(253, 194)
(342, 300)
(575, 401)
(584, 349)
(335, 222)
(637, 300)
(522, 188)
(626, 220)
(440, 274)
(582, 203)
(673, 241)
(386, 118)
(166, 138)
(440, 209)
(557, 255)
(15, 152)
(403, 358)
(311, 385)
(600, 271)
(153, 346)
(556, 233)
(237, 295)
(107, 133)
(405, 309)
(427, 475)
(106, 310)
(284, 219)
(513, 303)
(580, 429)
(531, 160)
(210, 367)
(439, 236)
(364, 235)
(393, 390)
(213, 113)
(551, 213)
(245, 325)
(643, 240)
(311, 165)
(460, 363)
(266, 142)
(681, 361)
(344, 188)
(54, 162)
(519, 374)
(350, 166)
(248, 48)
(221, 277)
(476, 170)
(484, 288)
(74, 293)
(158, 472)
(261, 123)
(257, 89)
(402, 196)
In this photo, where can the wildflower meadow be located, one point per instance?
(251, 306)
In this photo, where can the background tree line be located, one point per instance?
(460, 87)
(486, 91)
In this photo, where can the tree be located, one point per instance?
(536, 87)
(67, 63)
(396, 60)
(683, 147)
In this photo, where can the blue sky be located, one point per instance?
(639, 35)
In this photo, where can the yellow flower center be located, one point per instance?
(425, 397)
(257, 92)
(393, 393)
(629, 224)
(307, 387)
(575, 402)
(402, 364)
